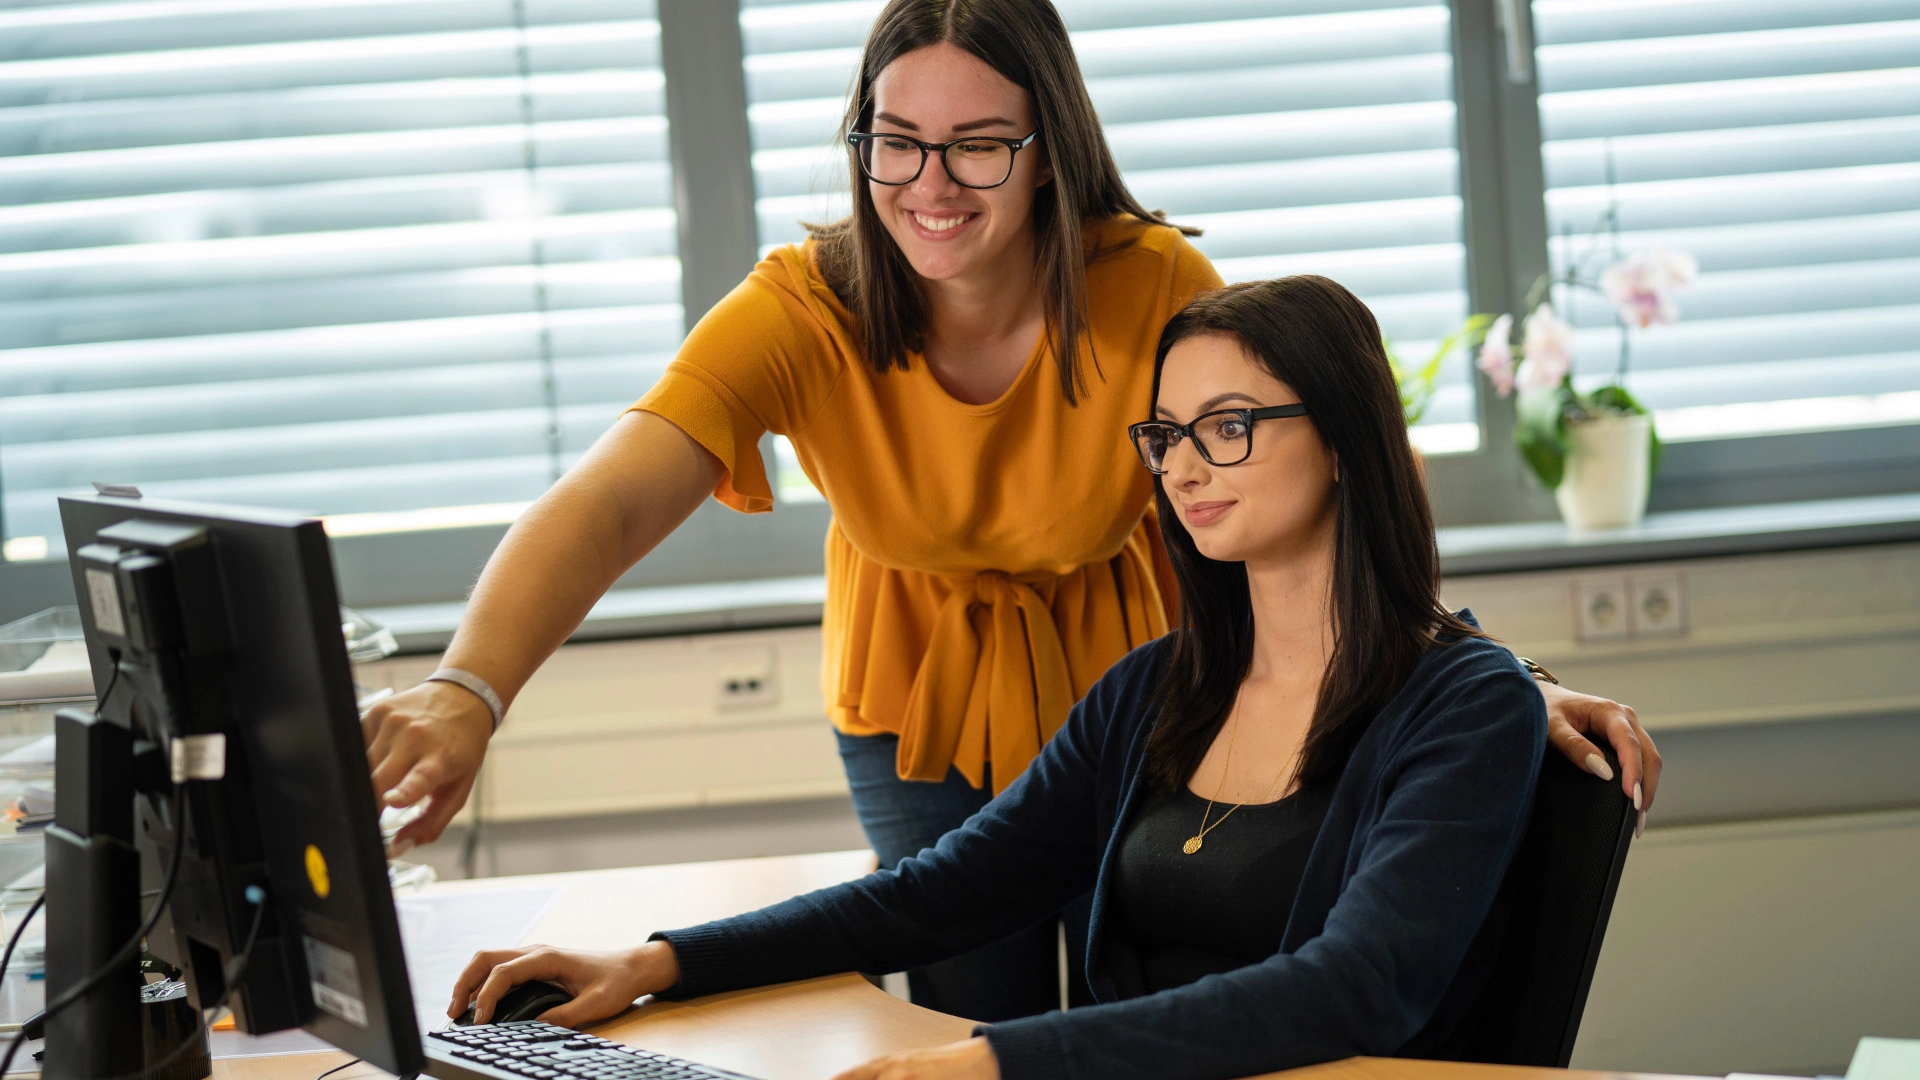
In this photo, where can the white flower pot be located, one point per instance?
(1605, 486)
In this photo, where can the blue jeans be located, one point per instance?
(1019, 975)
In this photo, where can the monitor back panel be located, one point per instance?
(291, 692)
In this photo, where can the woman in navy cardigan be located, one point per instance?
(1293, 813)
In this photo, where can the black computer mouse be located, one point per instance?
(524, 1002)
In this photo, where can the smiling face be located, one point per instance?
(937, 94)
(1277, 504)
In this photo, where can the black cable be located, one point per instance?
(234, 973)
(113, 680)
(18, 930)
(125, 952)
(337, 1068)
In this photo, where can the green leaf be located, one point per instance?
(1417, 386)
(1615, 399)
(1540, 433)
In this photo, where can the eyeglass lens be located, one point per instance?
(974, 164)
(1224, 439)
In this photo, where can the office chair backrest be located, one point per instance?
(1556, 898)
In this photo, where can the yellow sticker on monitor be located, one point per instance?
(317, 872)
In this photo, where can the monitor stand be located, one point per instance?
(93, 905)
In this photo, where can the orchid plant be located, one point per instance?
(1540, 365)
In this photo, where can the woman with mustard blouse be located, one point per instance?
(956, 364)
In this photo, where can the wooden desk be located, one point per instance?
(797, 1031)
(1363, 1068)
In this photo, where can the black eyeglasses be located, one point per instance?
(979, 162)
(1223, 438)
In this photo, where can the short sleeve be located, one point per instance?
(760, 360)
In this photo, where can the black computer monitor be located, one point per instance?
(219, 627)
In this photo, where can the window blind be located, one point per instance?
(1304, 136)
(1776, 141)
(343, 256)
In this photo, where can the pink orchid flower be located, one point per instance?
(1641, 285)
(1496, 354)
(1548, 346)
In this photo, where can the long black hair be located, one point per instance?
(1025, 41)
(1319, 339)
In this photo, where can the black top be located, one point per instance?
(1224, 906)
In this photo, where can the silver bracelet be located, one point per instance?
(475, 684)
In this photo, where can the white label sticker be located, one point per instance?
(199, 757)
(335, 980)
(105, 595)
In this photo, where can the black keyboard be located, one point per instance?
(531, 1050)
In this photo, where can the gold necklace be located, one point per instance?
(1195, 841)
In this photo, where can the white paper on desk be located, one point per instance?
(442, 931)
(1885, 1059)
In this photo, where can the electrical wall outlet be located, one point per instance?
(745, 676)
(1616, 607)
(1600, 609)
(1659, 604)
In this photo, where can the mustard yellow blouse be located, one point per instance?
(986, 563)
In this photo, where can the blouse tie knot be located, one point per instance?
(996, 660)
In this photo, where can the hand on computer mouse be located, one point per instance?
(603, 984)
(528, 1001)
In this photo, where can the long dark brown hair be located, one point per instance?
(1319, 339)
(1025, 41)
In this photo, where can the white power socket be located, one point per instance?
(1659, 604)
(744, 676)
(1616, 607)
(1600, 609)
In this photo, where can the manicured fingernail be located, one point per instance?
(1640, 827)
(1598, 766)
(1636, 799)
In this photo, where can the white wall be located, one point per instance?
(1760, 946)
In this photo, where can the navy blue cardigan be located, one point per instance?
(1383, 949)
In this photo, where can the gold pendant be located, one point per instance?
(1192, 845)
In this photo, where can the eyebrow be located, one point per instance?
(970, 125)
(1212, 403)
